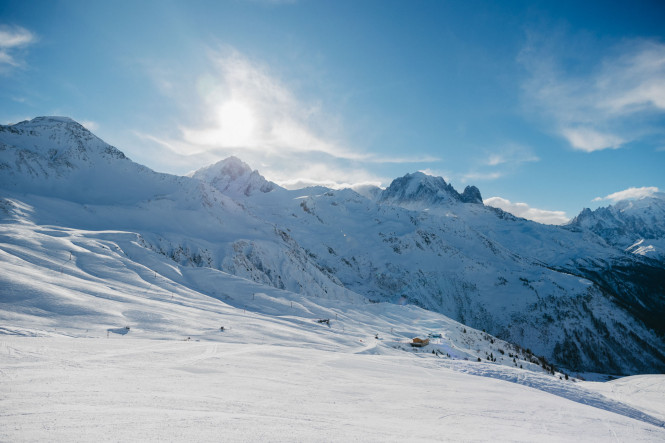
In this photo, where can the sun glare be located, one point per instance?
(236, 123)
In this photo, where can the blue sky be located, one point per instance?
(548, 107)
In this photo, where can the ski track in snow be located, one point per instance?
(570, 391)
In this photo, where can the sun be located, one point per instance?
(236, 123)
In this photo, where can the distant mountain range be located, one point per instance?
(590, 296)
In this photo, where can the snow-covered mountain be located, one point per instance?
(541, 286)
(419, 189)
(233, 176)
(636, 225)
(57, 157)
(564, 293)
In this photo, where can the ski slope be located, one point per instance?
(106, 340)
(132, 389)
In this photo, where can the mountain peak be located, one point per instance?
(234, 176)
(53, 119)
(471, 194)
(628, 222)
(418, 187)
(57, 138)
(232, 167)
(58, 157)
(50, 121)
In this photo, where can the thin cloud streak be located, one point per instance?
(629, 194)
(481, 176)
(605, 107)
(12, 39)
(511, 155)
(525, 211)
(500, 162)
(373, 158)
(319, 174)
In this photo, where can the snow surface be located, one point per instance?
(638, 225)
(121, 388)
(107, 340)
(115, 282)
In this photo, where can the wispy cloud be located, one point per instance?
(375, 158)
(13, 39)
(481, 176)
(499, 162)
(629, 194)
(525, 211)
(90, 125)
(590, 140)
(244, 106)
(511, 154)
(241, 107)
(346, 180)
(596, 103)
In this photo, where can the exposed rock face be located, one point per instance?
(471, 194)
(419, 188)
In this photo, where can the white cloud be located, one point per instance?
(89, 125)
(525, 211)
(374, 158)
(512, 154)
(240, 107)
(602, 103)
(636, 79)
(630, 193)
(589, 140)
(12, 40)
(308, 173)
(481, 176)
(499, 162)
(244, 106)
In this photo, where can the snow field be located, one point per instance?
(71, 371)
(97, 389)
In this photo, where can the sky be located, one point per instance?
(547, 107)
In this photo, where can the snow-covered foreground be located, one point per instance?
(103, 339)
(123, 388)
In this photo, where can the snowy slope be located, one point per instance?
(419, 242)
(57, 157)
(637, 226)
(121, 389)
(525, 282)
(99, 330)
(70, 180)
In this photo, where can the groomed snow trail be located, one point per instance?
(123, 388)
